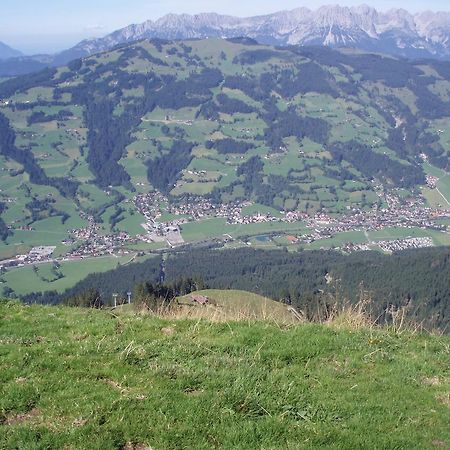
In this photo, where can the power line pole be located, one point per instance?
(115, 295)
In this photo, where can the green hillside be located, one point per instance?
(231, 304)
(80, 378)
(293, 129)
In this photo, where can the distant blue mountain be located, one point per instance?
(7, 52)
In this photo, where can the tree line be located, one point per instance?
(418, 280)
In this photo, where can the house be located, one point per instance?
(200, 299)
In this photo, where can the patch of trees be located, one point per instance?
(208, 110)
(243, 40)
(169, 93)
(159, 43)
(311, 77)
(249, 86)
(75, 65)
(157, 296)
(90, 298)
(152, 296)
(25, 82)
(251, 171)
(139, 52)
(117, 216)
(163, 172)
(439, 158)
(374, 165)
(441, 67)
(307, 77)
(419, 279)
(4, 231)
(430, 105)
(41, 117)
(287, 123)
(411, 139)
(253, 181)
(229, 105)
(42, 208)
(228, 145)
(393, 72)
(26, 158)
(107, 137)
(250, 57)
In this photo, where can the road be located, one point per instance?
(443, 196)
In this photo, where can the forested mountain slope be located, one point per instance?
(307, 129)
(415, 281)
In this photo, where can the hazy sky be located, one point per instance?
(52, 25)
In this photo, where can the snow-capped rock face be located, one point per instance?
(434, 27)
(396, 32)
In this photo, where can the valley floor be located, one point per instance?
(79, 378)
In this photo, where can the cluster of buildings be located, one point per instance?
(432, 181)
(34, 256)
(150, 206)
(90, 242)
(400, 213)
(99, 245)
(404, 244)
(351, 247)
(405, 214)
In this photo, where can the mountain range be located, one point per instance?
(7, 52)
(396, 32)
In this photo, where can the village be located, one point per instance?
(90, 242)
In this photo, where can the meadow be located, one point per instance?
(72, 271)
(80, 378)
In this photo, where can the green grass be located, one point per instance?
(209, 228)
(132, 223)
(235, 303)
(73, 378)
(73, 272)
(357, 237)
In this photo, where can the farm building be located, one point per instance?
(200, 299)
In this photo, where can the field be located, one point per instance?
(357, 237)
(209, 228)
(440, 196)
(73, 378)
(72, 272)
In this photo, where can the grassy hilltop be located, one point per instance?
(78, 378)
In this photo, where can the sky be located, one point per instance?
(46, 26)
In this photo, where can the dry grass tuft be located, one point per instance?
(23, 418)
(431, 381)
(444, 399)
(350, 317)
(132, 446)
